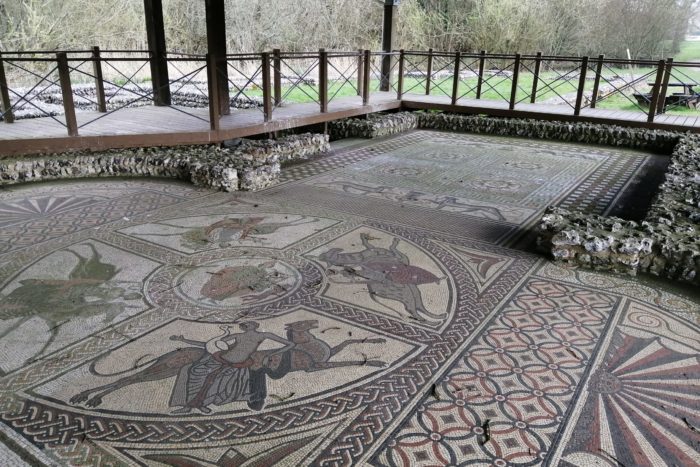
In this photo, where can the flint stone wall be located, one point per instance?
(251, 165)
(666, 243)
(374, 126)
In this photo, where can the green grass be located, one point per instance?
(690, 52)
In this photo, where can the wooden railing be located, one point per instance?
(578, 82)
(269, 81)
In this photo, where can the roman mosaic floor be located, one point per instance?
(380, 306)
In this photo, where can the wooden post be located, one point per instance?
(99, 83)
(323, 79)
(389, 26)
(399, 86)
(581, 86)
(67, 93)
(360, 69)
(656, 91)
(155, 31)
(429, 72)
(536, 78)
(266, 88)
(216, 46)
(482, 62)
(6, 108)
(514, 88)
(367, 76)
(455, 78)
(277, 75)
(596, 83)
(213, 87)
(661, 103)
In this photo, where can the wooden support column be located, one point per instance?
(6, 108)
(480, 80)
(596, 83)
(99, 82)
(536, 78)
(399, 85)
(155, 30)
(390, 7)
(277, 75)
(429, 72)
(366, 76)
(656, 91)
(266, 87)
(514, 89)
(216, 46)
(455, 78)
(661, 103)
(67, 93)
(213, 91)
(323, 79)
(360, 70)
(581, 86)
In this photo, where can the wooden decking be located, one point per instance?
(162, 126)
(159, 126)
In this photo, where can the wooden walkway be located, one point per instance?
(165, 126)
(160, 126)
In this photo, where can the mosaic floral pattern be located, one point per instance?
(349, 316)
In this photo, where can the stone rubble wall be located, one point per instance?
(250, 165)
(374, 126)
(589, 133)
(666, 243)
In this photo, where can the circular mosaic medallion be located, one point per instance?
(236, 282)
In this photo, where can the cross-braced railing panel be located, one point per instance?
(547, 81)
(32, 85)
(497, 79)
(622, 84)
(297, 78)
(343, 72)
(245, 79)
(379, 75)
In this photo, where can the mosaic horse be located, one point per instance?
(308, 354)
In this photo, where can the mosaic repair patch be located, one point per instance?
(368, 311)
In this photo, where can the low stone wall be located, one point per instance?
(666, 243)
(374, 126)
(250, 165)
(589, 133)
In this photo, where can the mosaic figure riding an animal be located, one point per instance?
(230, 367)
(88, 291)
(387, 273)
